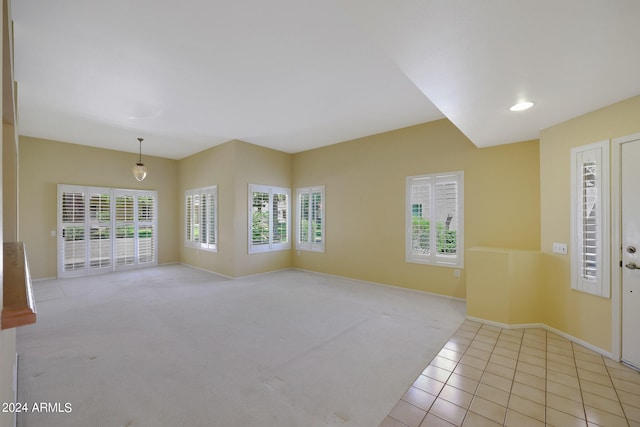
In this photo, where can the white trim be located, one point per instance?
(600, 285)
(310, 246)
(382, 284)
(449, 297)
(506, 325)
(616, 249)
(203, 269)
(433, 258)
(549, 329)
(263, 273)
(212, 191)
(582, 343)
(86, 192)
(231, 277)
(271, 246)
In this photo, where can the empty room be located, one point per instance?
(284, 214)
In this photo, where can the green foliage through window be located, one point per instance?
(435, 223)
(269, 222)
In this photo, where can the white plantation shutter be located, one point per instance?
(189, 217)
(435, 219)
(304, 232)
(268, 218)
(146, 229)
(72, 251)
(100, 245)
(103, 229)
(310, 219)
(420, 202)
(446, 215)
(125, 230)
(279, 213)
(590, 220)
(260, 225)
(201, 218)
(208, 219)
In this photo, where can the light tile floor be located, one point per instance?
(488, 376)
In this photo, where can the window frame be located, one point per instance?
(207, 214)
(433, 257)
(596, 154)
(272, 244)
(310, 246)
(92, 221)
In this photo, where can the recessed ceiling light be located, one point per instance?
(521, 106)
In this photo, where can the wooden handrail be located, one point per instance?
(19, 307)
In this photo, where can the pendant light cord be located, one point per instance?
(140, 161)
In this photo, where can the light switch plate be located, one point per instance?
(560, 248)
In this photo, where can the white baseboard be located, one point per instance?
(382, 284)
(592, 347)
(205, 270)
(231, 277)
(585, 344)
(506, 325)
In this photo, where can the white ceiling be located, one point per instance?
(298, 74)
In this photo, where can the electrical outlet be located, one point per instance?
(560, 248)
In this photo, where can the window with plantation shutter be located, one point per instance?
(125, 233)
(434, 219)
(590, 220)
(72, 230)
(201, 206)
(100, 229)
(105, 229)
(268, 218)
(310, 219)
(146, 229)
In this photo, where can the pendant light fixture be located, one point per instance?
(140, 170)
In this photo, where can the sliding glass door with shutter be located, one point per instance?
(104, 229)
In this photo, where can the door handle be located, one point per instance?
(632, 266)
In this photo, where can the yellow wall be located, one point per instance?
(581, 315)
(232, 167)
(516, 197)
(365, 190)
(215, 166)
(44, 164)
(258, 165)
(365, 201)
(503, 285)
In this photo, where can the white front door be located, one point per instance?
(630, 177)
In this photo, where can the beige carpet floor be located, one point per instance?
(176, 346)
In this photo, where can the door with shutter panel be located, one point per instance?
(102, 229)
(72, 232)
(146, 229)
(99, 231)
(125, 242)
